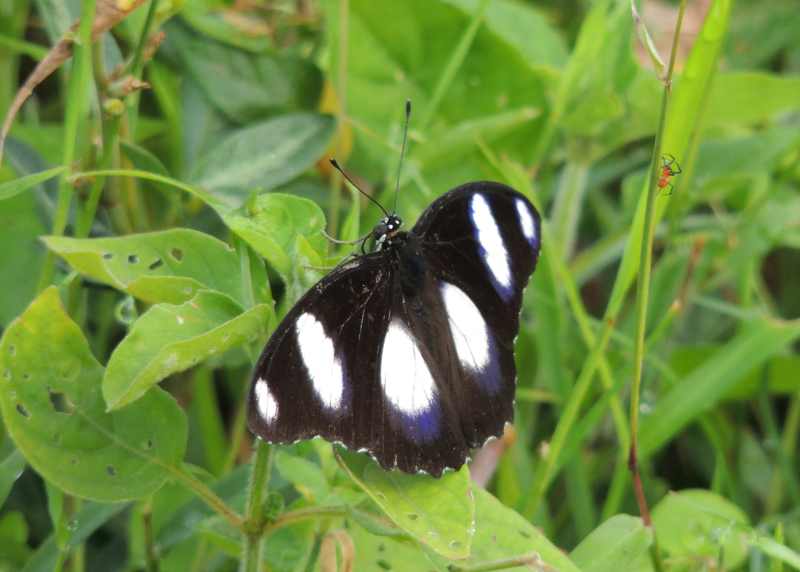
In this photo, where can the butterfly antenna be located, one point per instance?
(402, 154)
(349, 180)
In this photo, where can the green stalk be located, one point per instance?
(643, 282)
(454, 64)
(643, 293)
(253, 525)
(77, 90)
(335, 180)
(137, 63)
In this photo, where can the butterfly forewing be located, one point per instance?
(407, 353)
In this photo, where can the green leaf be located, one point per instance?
(288, 548)
(20, 225)
(167, 266)
(307, 477)
(620, 543)
(399, 50)
(500, 532)
(170, 338)
(22, 184)
(245, 86)
(264, 155)
(439, 513)
(516, 23)
(747, 98)
(52, 406)
(90, 517)
(14, 551)
(708, 384)
(699, 523)
(10, 469)
(271, 224)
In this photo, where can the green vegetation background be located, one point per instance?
(152, 235)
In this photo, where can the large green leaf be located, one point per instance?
(272, 223)
(53, 408)
(245, 86)
(620, 543)
(400, 50)
(264, 155)
(170, 338)
(167, 266)
(439, 513)
(701, 524)
(500, 534)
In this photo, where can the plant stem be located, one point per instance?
(137, 64)
(335, 180)
(149, 540)
(76, 108)
(206, 495)
(643, 282)
(253, 526)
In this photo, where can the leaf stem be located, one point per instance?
(253, 526)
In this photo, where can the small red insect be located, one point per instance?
(669, 169)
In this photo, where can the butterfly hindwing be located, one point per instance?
(481, 242)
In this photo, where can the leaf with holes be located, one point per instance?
(169, 338)
(439, 513)
(271, 223)
(264, 155)
(52, 405)
(169, 266)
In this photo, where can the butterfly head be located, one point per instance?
(386, 229)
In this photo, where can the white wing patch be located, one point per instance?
(467, 327)
(407, 382)
(319, 356)
(526, 220)
(267, 406)
(495, 255)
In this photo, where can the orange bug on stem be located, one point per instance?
(669, 169)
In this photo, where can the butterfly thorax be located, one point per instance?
(386, 230)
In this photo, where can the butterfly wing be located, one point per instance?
(481, 243)
(320, 374)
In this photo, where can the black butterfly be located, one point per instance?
(406, 352)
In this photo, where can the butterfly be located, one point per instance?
(407, 352)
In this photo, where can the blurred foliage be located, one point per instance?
(205, 194)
